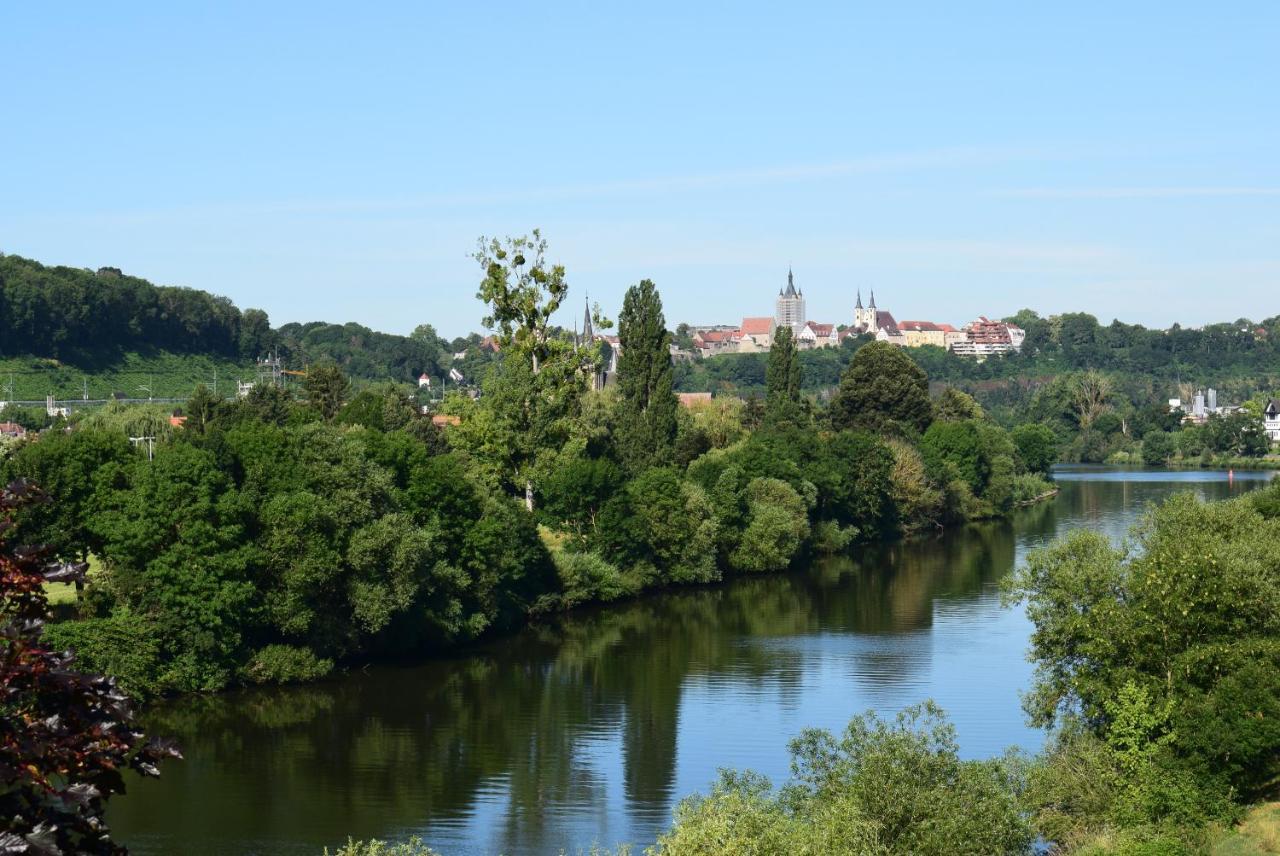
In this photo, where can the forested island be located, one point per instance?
(296, 531)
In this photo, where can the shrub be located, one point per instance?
(286, 664)
(881, 787)
(588, 577)
(777, 524)
(123, 645)
(1029, 487)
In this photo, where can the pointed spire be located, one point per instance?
(791, 283)
(588, 334)
(858, 305)
(873, 298)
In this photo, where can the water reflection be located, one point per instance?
(589, 729)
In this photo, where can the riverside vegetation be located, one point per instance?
(273, 540)
(1158, 675)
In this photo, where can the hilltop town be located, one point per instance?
(979, 339)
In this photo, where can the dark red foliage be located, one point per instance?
(65, 738)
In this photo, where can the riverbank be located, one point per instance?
(590, 727)
(1134, 459)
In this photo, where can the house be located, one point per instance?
(709, 343)
(815, 335)
(919, 333)
(440, 420)
(755, 334)
(887, 330)
(1270, 420)
(12, 429)
(492, 344)
(424, 380)
(985, 337)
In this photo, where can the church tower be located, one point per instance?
(865, 318)
(790, 307)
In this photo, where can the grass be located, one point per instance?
(64, 594)
(60, 594)
(1257, 835)
(168, 375)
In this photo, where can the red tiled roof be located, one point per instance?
(822, 330)
(919, 326)
(757, 326)
(690, 399)
(12, 428)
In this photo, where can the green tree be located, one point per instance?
(880, 388)
(326, 388)
(201, 409)
(1186, 616)
(1037, 447)
(176, 549)
(522, 291)
(1157, 448)
(647, 428)
(782, 379)
(66, 466)
(956, 447)
(536, 389)
(956, 406)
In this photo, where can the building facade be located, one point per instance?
(1271, 420)
(790, 307)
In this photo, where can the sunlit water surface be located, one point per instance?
(592, 728)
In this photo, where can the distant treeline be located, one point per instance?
(1213, 355)
(87, 318)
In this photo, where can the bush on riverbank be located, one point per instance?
(880, 787)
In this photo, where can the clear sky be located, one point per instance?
(338, 161)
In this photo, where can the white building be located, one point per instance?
(1271, 420)
(815, 335)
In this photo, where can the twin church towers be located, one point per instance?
(790, 309)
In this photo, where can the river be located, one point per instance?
(591, 728)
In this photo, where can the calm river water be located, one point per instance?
(591, 729)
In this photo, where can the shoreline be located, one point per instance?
(552, 615)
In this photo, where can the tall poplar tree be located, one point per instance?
(647, 429)
(782, 378)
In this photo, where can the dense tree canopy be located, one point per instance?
(880, 388)
(648, 420)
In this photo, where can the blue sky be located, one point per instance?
(338, 161)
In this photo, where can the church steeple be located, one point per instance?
(791, 284)
(858, 305)
(873, 298)
(588, 334)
